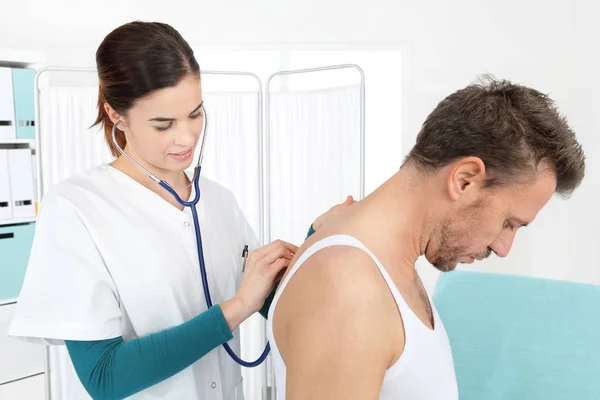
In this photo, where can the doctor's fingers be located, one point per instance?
(263, 251)
(258, 261)
(277, 244)
(275, 268)
(276, 254)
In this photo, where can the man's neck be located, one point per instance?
(393, 221)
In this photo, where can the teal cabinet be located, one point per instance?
(23, 92)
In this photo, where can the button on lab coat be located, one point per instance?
(112, 258)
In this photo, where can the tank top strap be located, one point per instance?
(346, 240)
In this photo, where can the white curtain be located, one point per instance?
(231, 156)
(314, 156)
(68, 144)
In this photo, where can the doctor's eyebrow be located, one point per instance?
(165, 119)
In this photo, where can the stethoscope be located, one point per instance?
(192, 205)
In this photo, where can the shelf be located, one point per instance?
(16, 221)
(7, 302)
(21, 58)
(30, 142)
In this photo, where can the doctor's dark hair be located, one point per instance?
(133, 61)
(511, 128)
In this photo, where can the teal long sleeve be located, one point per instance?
(115, 369)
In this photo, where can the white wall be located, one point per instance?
(548, 45)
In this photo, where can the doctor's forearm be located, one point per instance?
(235, 312)
(115, 369)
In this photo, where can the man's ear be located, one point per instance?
(465, 174)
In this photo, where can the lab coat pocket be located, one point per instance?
(239, 390)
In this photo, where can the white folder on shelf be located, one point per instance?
(21, 183)
(8, 130)
(5, 200)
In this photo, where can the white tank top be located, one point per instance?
(424, 371)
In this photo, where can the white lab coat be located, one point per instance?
(111, 258)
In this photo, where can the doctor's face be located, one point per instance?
(164, 127)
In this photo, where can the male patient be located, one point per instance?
(351, 319)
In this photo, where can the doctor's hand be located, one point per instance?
(263, 267)
(332, 212)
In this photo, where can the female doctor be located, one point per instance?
(113, 272)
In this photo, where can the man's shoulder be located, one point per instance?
(340, 263)
(334, 277)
